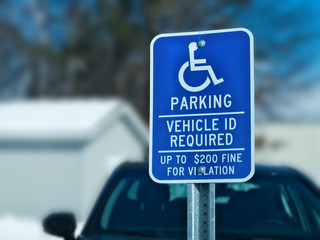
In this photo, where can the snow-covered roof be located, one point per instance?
(63, 119)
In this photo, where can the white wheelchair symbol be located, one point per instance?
(192, 48)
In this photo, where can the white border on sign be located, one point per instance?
(252, 170)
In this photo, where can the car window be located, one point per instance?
(139, 204)
(264, 206)
(256, 207)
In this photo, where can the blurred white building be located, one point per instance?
(290, 144)
(56, 155)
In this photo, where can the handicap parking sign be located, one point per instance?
(202, 107)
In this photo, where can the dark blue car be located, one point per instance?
(277, 203)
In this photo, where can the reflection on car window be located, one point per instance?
(245, 187)
(309, 205)
(177, 191)
(132, 192)
(112, 201)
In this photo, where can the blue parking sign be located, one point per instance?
(202, 107)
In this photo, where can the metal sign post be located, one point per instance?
(201, 211)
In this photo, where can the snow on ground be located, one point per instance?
(14, 228)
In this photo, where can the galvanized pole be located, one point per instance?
(201, 211)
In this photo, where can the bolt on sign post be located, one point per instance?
(202, 115)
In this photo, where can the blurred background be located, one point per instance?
(74, 92)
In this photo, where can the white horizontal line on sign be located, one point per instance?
(200, 114)
(202, 150)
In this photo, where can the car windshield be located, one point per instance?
(265, 206)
